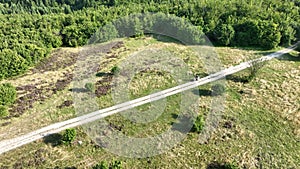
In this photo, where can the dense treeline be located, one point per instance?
(29, 29)
(155, 24)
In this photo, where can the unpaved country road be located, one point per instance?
(7, 145)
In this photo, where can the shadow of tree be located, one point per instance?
(218, 165)
(79, 90)
(235, 78)
(57, 167)
(174, 116)
(289, 57)
(164, 38)
(53, 139)
(103, 74)
(184, 124)
(202, 92)
(215, 165)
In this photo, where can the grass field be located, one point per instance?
(260, 126)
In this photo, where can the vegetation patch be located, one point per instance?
(3, 111)
(198, 124)
(104, 165)
(258, 127)
(68, 136)
(7, 94)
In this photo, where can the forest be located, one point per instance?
(30, 29)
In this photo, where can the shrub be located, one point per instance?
(254, 68)
(224, 34)
(11, 64)
(3, 111)
(102, 165)
(231, 166)
(218, 89)
(249, 32)
(115, 70)
(69, 136)
(7, 94)
(198, 124)
(90, 87)
(116, 165)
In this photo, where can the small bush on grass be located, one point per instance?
(254, 68)
(231, 166)
(198, 124)
(90, 87)
(3, 111)
(222, 165)
(115, 70)
(218, 89)
(102, 165)
(116, 165)
(8, 94)
(69, 136)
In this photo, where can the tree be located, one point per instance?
(7, 94)
(102, 165)
(11, 63)
(3, 111)
(115, 70)
(116, 165)
(223, 34)
(254, 68)
(104, 34)
(247, 33)
(270, 35)
(90, 87)
(230, 166)
(198, 124)
(69, 136)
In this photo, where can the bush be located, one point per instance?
(116, 165)
(224, 34)
(8, 94)
(270, 35)
(11, 64)
(261, 33)
(3, 111)
(231, 166)
(198, 124)
(115, 70)
(69, 136)
(90, 87)
(102, 165)
(254, 69)
(218, 89)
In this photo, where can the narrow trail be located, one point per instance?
(7, 145)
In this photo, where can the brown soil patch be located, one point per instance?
(60, 59)
(103, 86)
